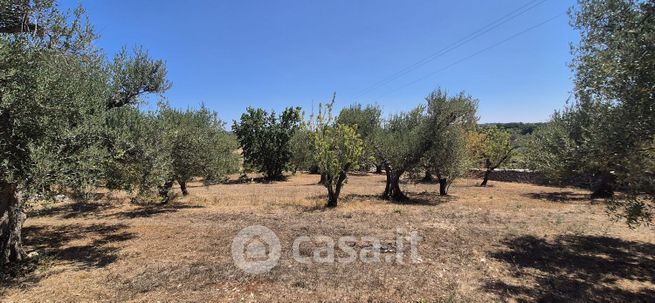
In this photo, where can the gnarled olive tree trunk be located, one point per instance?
(378, 169)
(334, 192)
(603, 185)
(427, 178)
(485, 179)
(443, 184)
(392, 189)
(165, 191)
(183, 187)
(443, 187)
(11, 223)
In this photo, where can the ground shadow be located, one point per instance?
(81, 208)
(81, 245)
(576, 269)
(152, 210)
(97, 208)
(67, 210)
(54, 241)
(260, 180)
(560, 197)
(423, 198)
(359, 197)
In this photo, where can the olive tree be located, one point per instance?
(609, 132)
(449, 158)
(494, 148)
(199, 147)
(401, 146)
(54, 85)
(302, 155)
(337, 148)
(570, 147)
(367, 121)
(406, 138)
(153, 150)
(140, 154)
(453, 117)
(264, 139)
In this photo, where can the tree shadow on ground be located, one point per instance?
(560, 197)
(83, 246)
(153, 210)
(244, 179)
(576, 269)
(82, 208)
(429, 198)
(55, 241)
(68, 210)
(423, 198)
(350, 198)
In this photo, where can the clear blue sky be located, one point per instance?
(273, 54)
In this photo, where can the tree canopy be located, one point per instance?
(609, 132)
(493, 147)
(367, 121)
(337, 149)
(55, 88)
(406, 138)
(265, 139)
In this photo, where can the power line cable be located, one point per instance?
(474, 54)
(479, 32)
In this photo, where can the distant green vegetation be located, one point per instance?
(516, 128)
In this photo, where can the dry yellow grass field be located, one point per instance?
(508, 242)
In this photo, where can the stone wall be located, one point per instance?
(525, 176)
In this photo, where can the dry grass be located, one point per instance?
(509, 242)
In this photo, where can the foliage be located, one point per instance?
(302, 155)
(493, 148)
(553, 151)
(200, 146)
(516, 129)
(367, 121)
(140, 152)
(448, 157)
(55, 88)
(134, 75)
(365, 118)
(152, 149)
(520, 133)
(265, 139)
(609, 132)
(407, 137)
(337, 148)
(401, 142)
